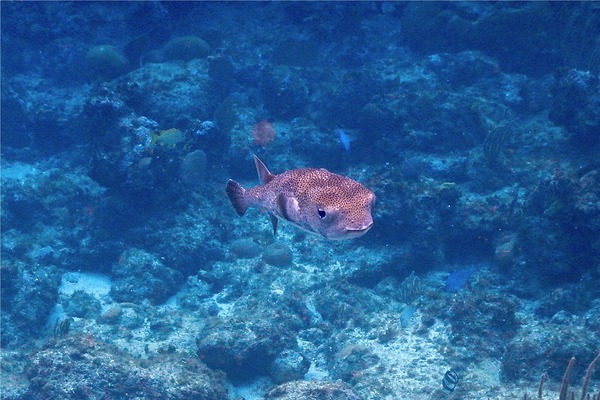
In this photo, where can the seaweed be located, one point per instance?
(62, 327)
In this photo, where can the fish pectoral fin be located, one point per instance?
(274, 223)
(288, 207)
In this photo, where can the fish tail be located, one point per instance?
(237, 197)
(153, 138)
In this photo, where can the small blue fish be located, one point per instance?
(459, 278)
(345, 139)
(406, 316)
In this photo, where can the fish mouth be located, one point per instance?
(352, 233)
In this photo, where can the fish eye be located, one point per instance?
(322, 213)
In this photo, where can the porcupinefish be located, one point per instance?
(315, 200)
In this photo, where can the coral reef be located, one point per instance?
(311, 390)
(550, 346)
(105, 62)
(186, 48)
(140, 275)
(60, 371)
(244, 348)
(126, 273)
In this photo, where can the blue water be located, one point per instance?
(127, 273)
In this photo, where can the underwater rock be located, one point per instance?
(470, 67)
(285, 92)
(573, 299)
(82, 305)
(278, 255)
(482, 321)
(210, 137)
(516, 34)
(245, 346)
(341, 102)
(550, 257)
(303, 390)
(54, 126)
(186, 48)
(547, 349)
(140, 276)
(31, 292)
(105, 62)
(141, 49)
(65, 60)
(245, 248)
(82, 366)
(314, 137)
(175, 94)
(193, 296)
(576, 106)
(221, 71)
(289, 366)
(111, 316)
(350, 359)
(195, 244)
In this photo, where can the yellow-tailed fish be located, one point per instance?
(168, 137)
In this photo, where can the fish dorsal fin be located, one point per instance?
(263, 173)
(288, 207)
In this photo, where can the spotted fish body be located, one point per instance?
(314, 200)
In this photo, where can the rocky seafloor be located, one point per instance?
(127, 274)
